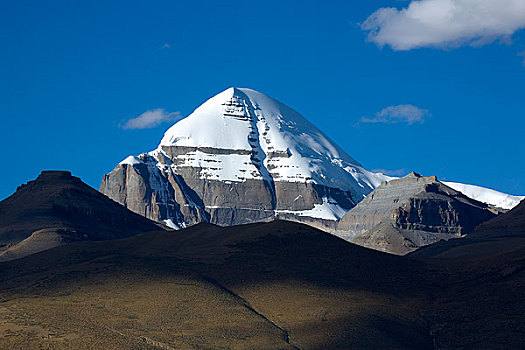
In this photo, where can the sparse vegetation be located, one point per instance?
(264, 286)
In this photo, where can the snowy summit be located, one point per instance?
(273, 141)
(240, 136)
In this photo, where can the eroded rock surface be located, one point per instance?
(404, 214)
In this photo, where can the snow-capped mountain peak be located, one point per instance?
(271, 141)
(241, 157)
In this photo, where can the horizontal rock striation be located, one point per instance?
(180, 195)
(404, 214)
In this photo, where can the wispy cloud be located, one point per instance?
(392, 172)
(407, 114)
(522, 54)
(445, 23)
(166, 46)
(151, 119)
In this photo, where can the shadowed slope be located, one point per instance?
(265, 286)
(483, 276)
(58, 208)
(502, 234)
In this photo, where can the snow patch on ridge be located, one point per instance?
(486, 195)
(131, 160)
(328, 210)
(483, 195)
(171, 224)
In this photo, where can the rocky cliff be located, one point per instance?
(502, 235)
(407, 213)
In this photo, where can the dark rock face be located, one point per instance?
(136, 187)
(511, 224)
(405, 214)
(503, 234)
(58, 208)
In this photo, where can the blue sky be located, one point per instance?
(72, 73)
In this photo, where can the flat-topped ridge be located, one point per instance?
(47, 174)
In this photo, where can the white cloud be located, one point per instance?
(445, 23)
(151, 119)
(408, 114)
(166, 46)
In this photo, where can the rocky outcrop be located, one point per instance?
(502, 235)
(58, 208)
(404, 214)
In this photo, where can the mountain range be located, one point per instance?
(278, 285)
(194, 247)
(243, 157)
